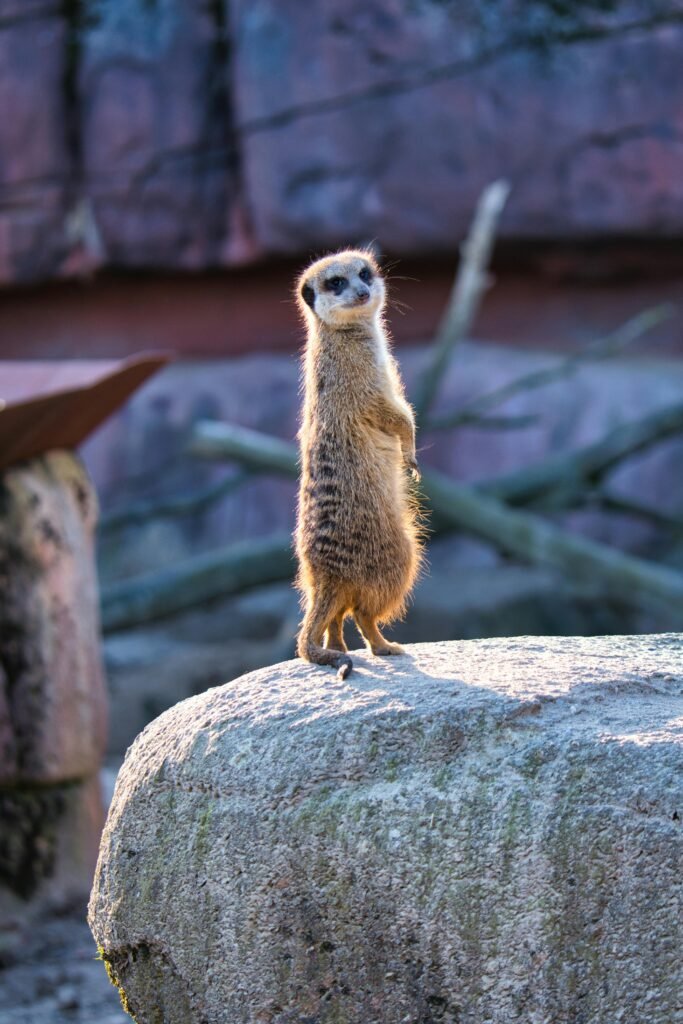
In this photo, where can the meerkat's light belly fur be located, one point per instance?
(356, 518)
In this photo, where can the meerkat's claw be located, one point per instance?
(412, 465)
(344, 666)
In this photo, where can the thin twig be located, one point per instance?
(604, 348)
(614, 503)
(476, 421)
(471, 281)
(577, 470)
(205, 577)
(175, 505)
(641, 583)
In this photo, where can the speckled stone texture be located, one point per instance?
(482, 831)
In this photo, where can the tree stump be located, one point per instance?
(52, 689)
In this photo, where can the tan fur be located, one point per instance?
(357, 536)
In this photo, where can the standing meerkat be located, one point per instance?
(357, 535)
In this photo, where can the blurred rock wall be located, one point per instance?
(161, 134)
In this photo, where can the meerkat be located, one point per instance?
(358, 532)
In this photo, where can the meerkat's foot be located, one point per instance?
(387, 648)
(376, 642)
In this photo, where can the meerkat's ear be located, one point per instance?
(308, 295)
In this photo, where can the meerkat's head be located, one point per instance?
(343, 289)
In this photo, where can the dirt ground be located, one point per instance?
(55, 978)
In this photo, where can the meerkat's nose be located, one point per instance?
(362, 295)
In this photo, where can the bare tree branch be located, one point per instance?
(471, 282)
(257, 451)
(530, 538)
(575, 471)
(219, 573)
(604, 348)
(173, 506)
(632, 580)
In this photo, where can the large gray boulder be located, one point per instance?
(483, 831)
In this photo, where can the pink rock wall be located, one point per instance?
(34, 164)
(159, 134)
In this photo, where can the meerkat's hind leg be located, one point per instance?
(322, 610)
(378, 644)
(335, 634)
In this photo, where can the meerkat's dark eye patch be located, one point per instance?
(336, 284)
(308, 295)
(366, 275)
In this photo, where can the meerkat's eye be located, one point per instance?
(336, 284)
(308, 295)
(366, 275)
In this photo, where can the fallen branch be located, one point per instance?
(257, 451)
(218, 573)
(526, 536)
(604, 348)
(571, 472)
(173, 506)
(215, 440)
(626, 578)
(471, 281)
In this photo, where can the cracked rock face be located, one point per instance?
(398, 113)
(156, 132)
(34, 163)
(163, 134)
(481, 831)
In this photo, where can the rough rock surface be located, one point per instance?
(158, 133)
(150, 668)
(157, 150)
(34, 156)
(398, 113)
(484, 831)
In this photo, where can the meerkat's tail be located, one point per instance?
(312, 652)
(321, 610)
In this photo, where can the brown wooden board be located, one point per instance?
(45, 406)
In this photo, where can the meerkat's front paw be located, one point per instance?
(387, 648)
